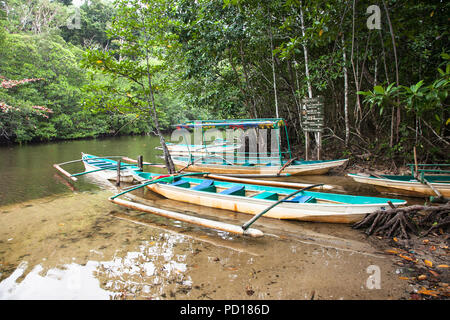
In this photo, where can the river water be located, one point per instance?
(26, 172)
(61, 240)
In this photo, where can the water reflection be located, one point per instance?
(155, 270)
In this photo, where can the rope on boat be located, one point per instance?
(288, 163)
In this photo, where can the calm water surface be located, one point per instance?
(26, 172)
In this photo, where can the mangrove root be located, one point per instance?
(399, 222)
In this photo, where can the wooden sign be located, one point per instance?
(313, 114)
(313, 121)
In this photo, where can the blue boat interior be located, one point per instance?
(430, 178)
(239, 190)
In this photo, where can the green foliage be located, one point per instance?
(213, 59)
(381, 97)
(95, 16)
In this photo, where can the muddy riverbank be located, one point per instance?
(80, 246)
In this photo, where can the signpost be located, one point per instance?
(313, 121)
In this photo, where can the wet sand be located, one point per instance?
(81, 246)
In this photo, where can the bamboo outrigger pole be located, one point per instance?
(179, 216)
(246, 225)
(57, 166)
(190, 219)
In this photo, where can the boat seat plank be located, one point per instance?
(181, 183)
(206, 185)
(266, 196)
(301, 199)
(237, 190)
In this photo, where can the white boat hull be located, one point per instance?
(317, 212)
(302, 169)
(408, 188)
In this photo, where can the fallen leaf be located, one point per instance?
(428, 292)
(442, 266)
(422, 277)
(425, 241)
(403, 278)
(392, 251)
(432, 248)
(428, 263)
(406, 257)
(434, 273)
(395, 239)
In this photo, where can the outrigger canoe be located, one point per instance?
(406, 185)
(250, 163)
(252, 199)
(295, 167)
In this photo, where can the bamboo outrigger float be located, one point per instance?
(416, 185)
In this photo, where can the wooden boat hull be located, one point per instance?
(314, 212)
(301, 169)
(408, 188)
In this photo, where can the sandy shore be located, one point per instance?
(80, 246)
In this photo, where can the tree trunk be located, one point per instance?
(391, 30)
(152, 107)
(347, 126)
(308, 81)
(273, 69)
(358, 111)
(305, 51)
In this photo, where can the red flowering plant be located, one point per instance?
(8, 84)
(17, 121)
